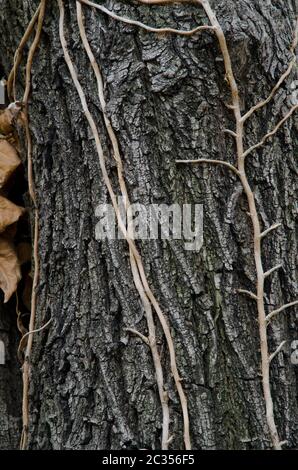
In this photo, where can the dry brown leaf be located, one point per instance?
(9, 161)
(9, 213)
(10, 272)
(10, 231)
(7, 117)
(24, 251)
(6, 120)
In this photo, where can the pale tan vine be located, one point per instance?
(258, 235)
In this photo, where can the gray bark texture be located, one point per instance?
(10, 382)
(92, 383)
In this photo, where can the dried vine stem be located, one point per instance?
(289, 69)
(212, 162)
(28, 333)
(144, 26)
(280, 309)
(266, 357)
(26, 96)
(130, 242)
(271, 133)
(18, 56)
(151, 340)
(26, 365)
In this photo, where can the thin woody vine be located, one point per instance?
(17, 115)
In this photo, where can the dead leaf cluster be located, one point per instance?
(10, 271)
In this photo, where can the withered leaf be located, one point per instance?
(10, 231)
(9, 213)
(9, 161)
(10, 272)
(7, 117)
(6, 120)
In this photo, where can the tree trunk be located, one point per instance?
(92, 383)
(10, 382)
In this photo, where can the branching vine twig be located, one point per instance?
(270, 229)
(240, 170)
(151, 340)
(129, 240)
(247, 292)
(278, 349)
(144, 26)
(26, 365)
(18, 56)
(280, 309)
(285, 75)
(140, 335)
(28, 333)
(271, 133)
(212, 162)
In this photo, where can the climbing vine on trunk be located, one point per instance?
(152, 310)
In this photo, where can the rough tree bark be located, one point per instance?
(10, 383)
(92, 384)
